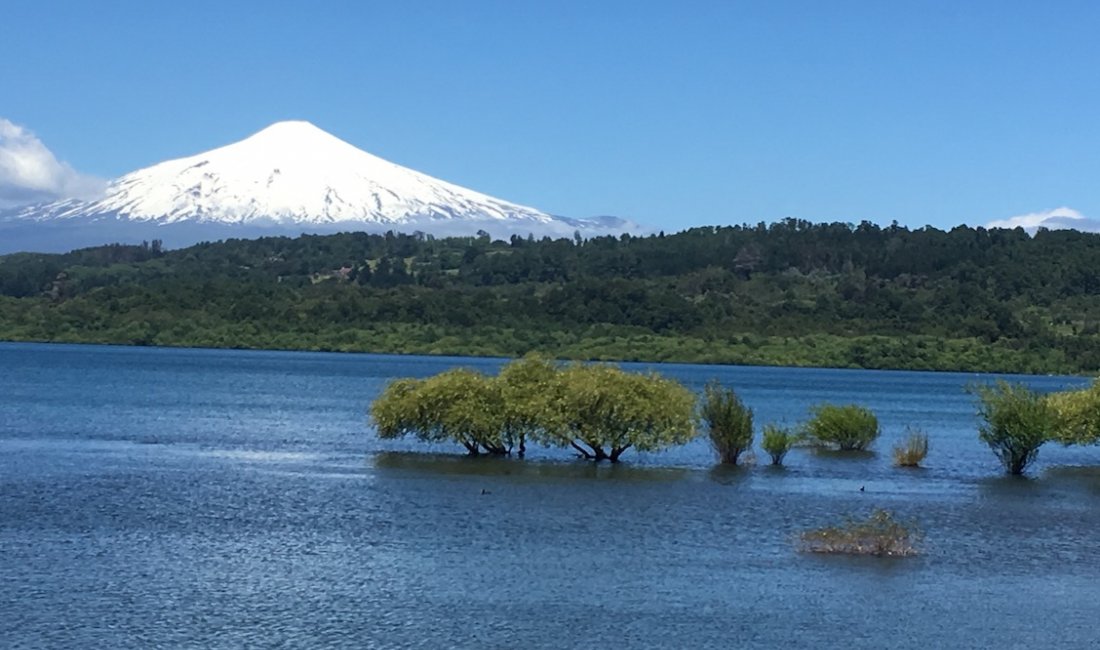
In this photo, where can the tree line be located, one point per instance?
(789, 293)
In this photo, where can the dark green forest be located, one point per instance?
(789, 293)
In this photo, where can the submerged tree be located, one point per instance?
(1078, 415)
(458, 405)
(602, 411)
(398, 412)
(526, 387)
(728, 422)
(1017, 422)
(598, 410)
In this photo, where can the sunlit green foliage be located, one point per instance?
(848, 427)
(777, 441)
(398, 412)
(1078, 413)
(728, 422)
(790, 293)
(526, 386)
(598, 410)
(458, 405)
(1017, 421)
(601, 411)
(912, 451)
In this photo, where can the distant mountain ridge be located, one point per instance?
(290, 178)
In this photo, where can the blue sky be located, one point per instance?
(673, 114)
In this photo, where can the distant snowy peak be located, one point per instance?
(290, 178)
(291, 172)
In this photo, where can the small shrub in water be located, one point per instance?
(849, 427)
(1017, 422)
(728, 422)
(880, 534)
(913, 450)
(777, 441)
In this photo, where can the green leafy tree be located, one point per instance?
(728, 422)
(601, 411)
(848, 427)
(399, 412)
(526, 386)
(1017, 421)
(458, 405)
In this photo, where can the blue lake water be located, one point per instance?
(224, 499)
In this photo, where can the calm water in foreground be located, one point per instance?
(222, 499)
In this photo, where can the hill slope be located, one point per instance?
(792, 293)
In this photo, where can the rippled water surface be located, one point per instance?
(224, 499)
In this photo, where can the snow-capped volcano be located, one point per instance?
(289, 178)
(294, 172)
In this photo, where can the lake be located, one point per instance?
(224, 499)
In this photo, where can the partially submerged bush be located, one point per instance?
(777, 441)
(1078, 415)
(848, 427)
(601, 411)
(913, 450)
(525, 386)
(458, 405)
(1017, 422)
(880, 534)
(598, 410)
(728, 422)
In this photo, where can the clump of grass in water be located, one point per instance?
(913, 450)
(777, 442)
(880, 534)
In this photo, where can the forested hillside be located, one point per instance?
(790, 293)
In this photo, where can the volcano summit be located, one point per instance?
(287, 179)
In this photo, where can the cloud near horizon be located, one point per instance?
(30, 173)
(1056, 219)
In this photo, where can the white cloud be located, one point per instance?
(1056, 219)
(30, 173)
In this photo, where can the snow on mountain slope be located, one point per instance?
(289, 178)
(291, 172)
